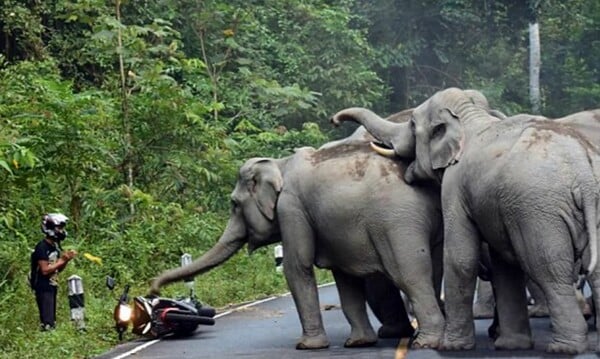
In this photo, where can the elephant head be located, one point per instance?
(252, 221)
(433, 137)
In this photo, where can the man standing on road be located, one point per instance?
(46, 262)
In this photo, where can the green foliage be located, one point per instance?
(251, 142)
(570, 38)
(261, 68)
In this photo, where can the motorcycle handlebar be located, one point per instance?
(206, 321)
(124, 297)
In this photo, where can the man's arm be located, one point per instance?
(46, 268)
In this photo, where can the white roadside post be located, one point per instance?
(76, 302)
(279, 258)
(186, 259)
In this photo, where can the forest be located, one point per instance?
(132, 118)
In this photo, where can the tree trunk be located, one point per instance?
(399, 94)
(534, 67)
(125, 110)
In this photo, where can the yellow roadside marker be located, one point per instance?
(402, 349)
(93, 258)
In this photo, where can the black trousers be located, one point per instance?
(46, 302)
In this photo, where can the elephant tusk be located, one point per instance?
(382, 150)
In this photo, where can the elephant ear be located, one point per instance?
(446, 140)
(267, 184)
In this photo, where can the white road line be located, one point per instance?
(137, 349)
(147, 344)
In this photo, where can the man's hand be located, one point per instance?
(68, 255)
(65, 257)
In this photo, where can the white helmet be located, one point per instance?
(53, 226)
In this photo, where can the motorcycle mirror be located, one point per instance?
(110, 282)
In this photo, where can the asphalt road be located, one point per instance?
(270, 330)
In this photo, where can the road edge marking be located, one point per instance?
(154, 341)
(137, 349)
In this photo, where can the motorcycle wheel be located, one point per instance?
(189, 318)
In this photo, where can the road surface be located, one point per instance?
(270, 329)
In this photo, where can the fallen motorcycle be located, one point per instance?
(155, 317)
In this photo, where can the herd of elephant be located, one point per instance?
(425, 193)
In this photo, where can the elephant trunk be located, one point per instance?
(415, 173)
(232, 240)
(394, 135)
(421, 169)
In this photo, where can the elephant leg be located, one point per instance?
(352, 298)
(388, 306)
(540, 305)
(494, 328)
(569, 328)
(298, 244)
(594, 282)
(552, 270)
(461, 254)
(414, 277)
(511, 303)
(437, 263)
(484, 304)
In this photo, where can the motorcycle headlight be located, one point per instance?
(124, 313)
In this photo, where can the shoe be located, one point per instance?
(46, 327)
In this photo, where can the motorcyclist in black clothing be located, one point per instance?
(47, 260)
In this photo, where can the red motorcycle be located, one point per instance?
(155, 317)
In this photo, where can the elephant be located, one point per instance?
(587, 123)
(528, 189)
(324, 206)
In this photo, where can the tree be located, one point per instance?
(534, 58)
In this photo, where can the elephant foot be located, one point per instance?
(359, 343)
(513, 342)
(458, 344)
(556, 347)
(395, 331)
(538, 311)
(483, 311)
(587, 308)
(422, 341)
(313, 342)
(359, 339)
(494, 331)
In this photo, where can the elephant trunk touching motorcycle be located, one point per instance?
(321, 205)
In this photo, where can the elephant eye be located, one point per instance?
(234, 205)
(411, 123)
(439, 130)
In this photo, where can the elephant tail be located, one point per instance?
(590, 211)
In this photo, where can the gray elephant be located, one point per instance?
(587, 123)
(527, 188)
(325, 206)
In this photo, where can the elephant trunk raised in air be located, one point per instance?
(401, 139)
